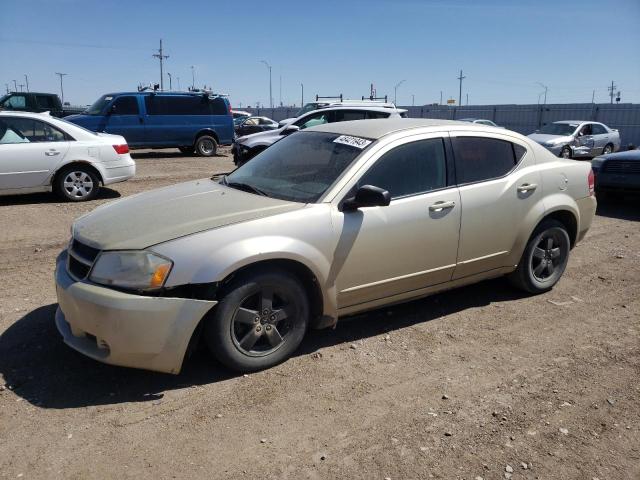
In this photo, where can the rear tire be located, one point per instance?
(260, 321)
(608, 148)
(544, 258)
(206, 146)
(76, 184)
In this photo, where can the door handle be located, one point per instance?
(527, 187)
(439, 206)
(51, 153)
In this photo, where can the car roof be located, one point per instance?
(375, 129)
(574, 121)
(357, 107)
(18, 113)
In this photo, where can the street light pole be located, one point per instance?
(413, 99)
(15, 86)
(61, 89)
(395, 91)
(26, 79)
(270, 90)
(460, 94)
(170, 86)
(302, 95)
(193, 78)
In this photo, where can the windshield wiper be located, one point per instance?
(244, 186)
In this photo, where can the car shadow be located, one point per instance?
(104, 193)
(42, 370)
(170, 153)
(620, 206)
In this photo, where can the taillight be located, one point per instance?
(592, 183)
(121, 149)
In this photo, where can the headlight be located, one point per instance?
(137, 270)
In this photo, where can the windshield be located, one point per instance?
(300, 167)
(559, 129)
(98, 106)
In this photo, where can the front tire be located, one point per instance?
(544, 259)
(76, 184)
(260, 322)
(565, 152)
(206, 146)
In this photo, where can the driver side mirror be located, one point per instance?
(367, 196)
(290, 129)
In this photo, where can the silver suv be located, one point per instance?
(248, 146)
(337, 219)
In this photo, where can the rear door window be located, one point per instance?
(125, 106)
(27, 130)
(45, 101)
(598, 129)
(179, 105)
(319, 118)
(481, 158)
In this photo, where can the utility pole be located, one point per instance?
(612, 91)
(170, 86)
(413, 99)
(467, 99)
(193, 78)
(545, 92)
(270, 90)
(161, 57)
(6, 85)
(61, 89)
(302, 95)
(26, 79)
(440, 97)
(21, 85)
(460, 78)
(395, 91)
(15, 86)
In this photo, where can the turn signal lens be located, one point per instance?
(160, 275)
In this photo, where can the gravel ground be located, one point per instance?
(478, 382)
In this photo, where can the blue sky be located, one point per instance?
(504, 47)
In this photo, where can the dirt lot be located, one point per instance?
(478, 382)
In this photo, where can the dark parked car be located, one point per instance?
(251, 125)
(37, 102)
(617, 171)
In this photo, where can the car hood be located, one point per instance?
(543, 138)
(157, 216)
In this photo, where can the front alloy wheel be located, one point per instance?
(565, 152)
(259, 322)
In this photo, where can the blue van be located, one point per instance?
(191, 121)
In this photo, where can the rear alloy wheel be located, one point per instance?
(544, 259)
(77, 184)
(260, 322)
(206, 146)
(608, 148)
(565, 152)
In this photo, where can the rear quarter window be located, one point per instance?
(481, 158)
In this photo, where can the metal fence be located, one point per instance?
(523, 119)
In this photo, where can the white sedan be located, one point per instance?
(40, 153)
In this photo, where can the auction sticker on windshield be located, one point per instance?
(357, 142)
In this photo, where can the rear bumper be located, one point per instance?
(617, 181)
(118, 171)
(118, 328)
(587, 210)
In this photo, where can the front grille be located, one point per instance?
(80, 259)
(621, 166)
